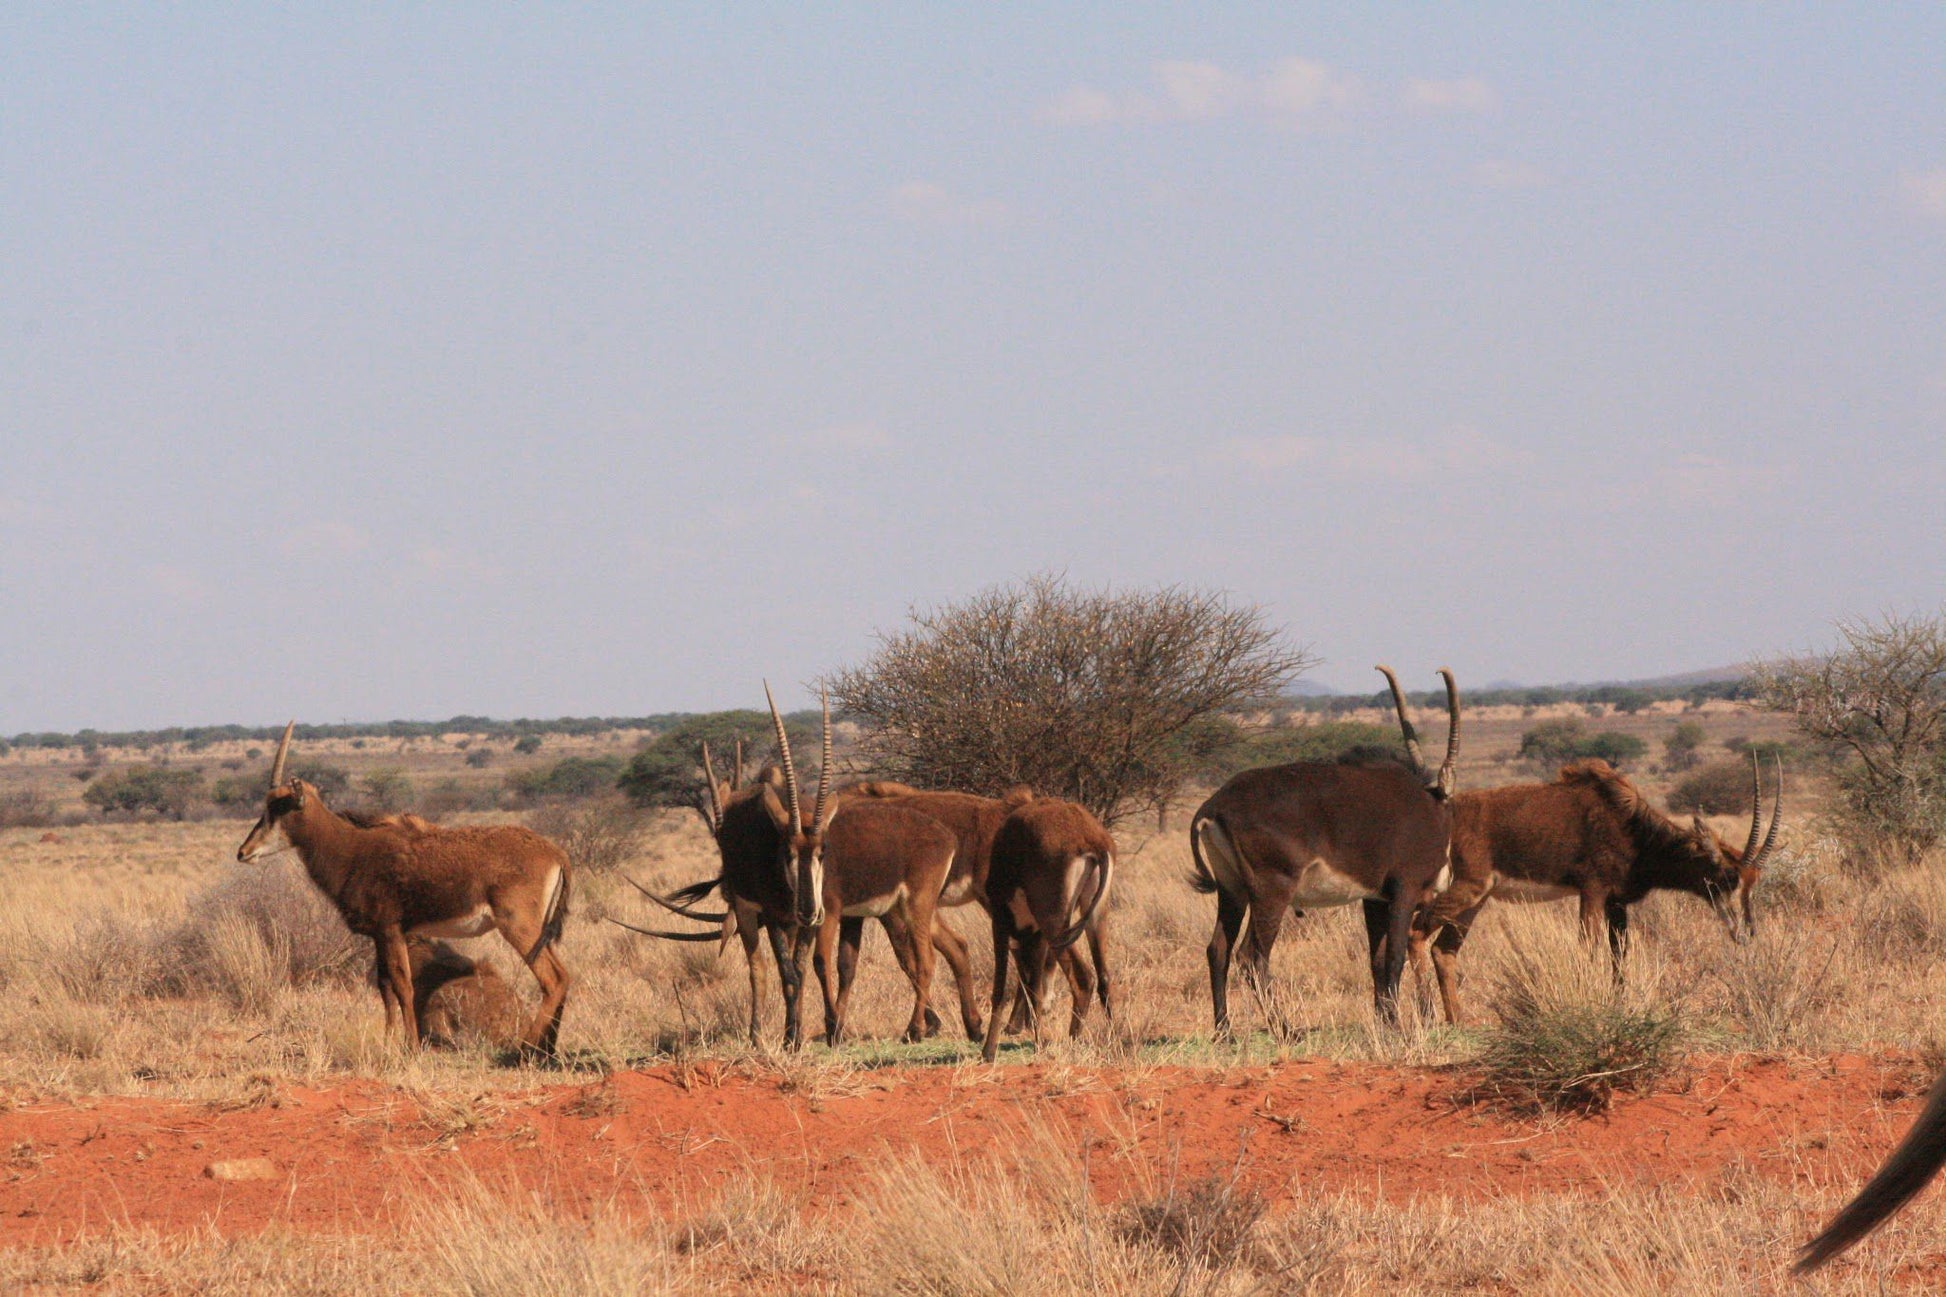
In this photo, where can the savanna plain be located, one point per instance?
(170, 1013)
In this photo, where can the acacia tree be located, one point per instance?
(1103, 697)
(1881, 700)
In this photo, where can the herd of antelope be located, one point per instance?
(1421, 857)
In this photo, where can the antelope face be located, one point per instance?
(805, 867)
(267, 836)
(1722, 881)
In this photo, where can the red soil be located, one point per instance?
(349, 1158)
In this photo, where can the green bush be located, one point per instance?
(1720, 788)
(160, 789)
(1342, 741)
(1552, 743)
(527, 744)
(668, 770)
(385, 790)
(1679, 750)
(570, 778)
(332, 781)
(479, 758)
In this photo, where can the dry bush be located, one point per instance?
(1903, 918)
(1209, 1224)
(27, 808)
(248, 966)
(294, 922)
(1775, 990)
(1569, 1036)
(600, 835)
(1720, 788)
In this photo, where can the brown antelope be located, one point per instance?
(817, 878)
(1909, 1168)
(976, 820)
(1591, 834)
(1315, 834)
(1049, 859)
(393, 878)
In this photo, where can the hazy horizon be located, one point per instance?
(558, 363)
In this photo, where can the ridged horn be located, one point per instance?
(1776, 817)
(1447, 780)
(736, 771)
(1756, 807)
(715, 804)
(1405, 722)
(283, 753)
(784, 753)
(824, 766)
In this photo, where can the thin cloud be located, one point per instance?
(1505, 173)
(1459, 451)
(1463, 95)
(1292, 92)
(1925, 192)
(926, 202)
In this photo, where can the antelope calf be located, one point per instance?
(1050, 858)
(397, 877)
(1314, 834)
(1592, 835)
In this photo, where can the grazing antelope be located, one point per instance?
(976, 820)
(815, 879)
(1315, 834)
(1908, 1169)
(1049, 859)
(1591, 834)
(398, 877)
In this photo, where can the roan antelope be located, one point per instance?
(1591, 834)
(1314, 834)
(1050, 859)
(815, 880)
(393, 877)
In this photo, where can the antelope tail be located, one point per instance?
(1102, 869)
(1914, 1162)
(1220, 867)
(667, 936)
(557, 914)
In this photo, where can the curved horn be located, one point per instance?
(283, 752)
(824, 766)
(1447, 780)
(1405, 722)
(673, 908)
(1776, 815)
(784, 753)
(665, 935)
(1756, 807)
(715, 805)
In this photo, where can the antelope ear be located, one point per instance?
(774, 807)
(830, 814)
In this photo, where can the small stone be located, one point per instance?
(244, 1168)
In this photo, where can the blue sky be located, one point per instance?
(357, 364)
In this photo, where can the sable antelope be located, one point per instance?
(817, 878)
(1313, 834)
(393, 877)
(1049, 859)
(1909, 1168)
(1590, 833)
(976, 820)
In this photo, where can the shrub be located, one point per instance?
(1342, 741)
(1720, 788)
(668, 770)
(480, 758)
(527, 744)
(1094, 696)
(568, 778)
(26, 808)
(1679, 749)
(291, 918)
(1880, 699)
(450, 796)
(237, 793)
(160, 789)
(599, 836)
(385, 790)
(332, 781)
(1570, 1036)
(1555, 742)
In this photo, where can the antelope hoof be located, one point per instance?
(932, 1024)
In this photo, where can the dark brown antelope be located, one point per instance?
(1314, 834)
(816, 878)
(1050, 858)
(1909, 1168)
(1589, 834)
(393, 878)
(975, 820)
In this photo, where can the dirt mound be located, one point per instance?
(349, 1158)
